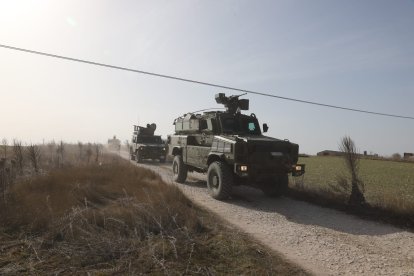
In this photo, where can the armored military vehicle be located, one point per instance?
(146, 145)
(230, 148)
(114, 144)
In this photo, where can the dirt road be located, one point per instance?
(321, 240)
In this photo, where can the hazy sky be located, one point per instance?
(357, 54)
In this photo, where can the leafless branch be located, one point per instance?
(352, 158)
(5, 144)
(34, 154)
(18, 154)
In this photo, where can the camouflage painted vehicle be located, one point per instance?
(230, 148)
(146, 145)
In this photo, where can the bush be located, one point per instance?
(396, 157)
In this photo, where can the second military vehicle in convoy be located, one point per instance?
(146, 145)
(230, 148)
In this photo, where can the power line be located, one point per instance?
(204, 83)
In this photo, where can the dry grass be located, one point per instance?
(389, 186)
(116, 218)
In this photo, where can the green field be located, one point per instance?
(388, 184)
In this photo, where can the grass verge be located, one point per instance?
(389, 188)
(120, 219)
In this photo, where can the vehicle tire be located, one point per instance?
(138, 157)
(179, 169)
(131, 154)
(276, 187)
(162, 160)
(219, 180)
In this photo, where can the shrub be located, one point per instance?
(352, 158)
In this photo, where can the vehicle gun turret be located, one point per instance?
(148, 130)
(232, 103)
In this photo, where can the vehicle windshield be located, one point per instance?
(240, 124)
(149, 139)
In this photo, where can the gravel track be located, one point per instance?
(321, 240)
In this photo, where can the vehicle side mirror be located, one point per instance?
(265, 128)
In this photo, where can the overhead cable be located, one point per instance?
(204, 83)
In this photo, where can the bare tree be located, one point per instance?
(61, 153)
(352, 158)
(98, 151)
(52, 147)
(3, 185)
(80, 146)
(396, 157)
(89, 152)
(33, 153)
(7, 176)
(4, 143)
(18, 154)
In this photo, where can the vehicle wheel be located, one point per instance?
(179, 169)
(219, 180)
(162, 160)
(138, 157)
(276, 187)
(131, 154)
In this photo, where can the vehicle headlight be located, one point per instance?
(243, 168)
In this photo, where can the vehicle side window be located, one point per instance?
(229, 124)
(203, 124)
(212, 125)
